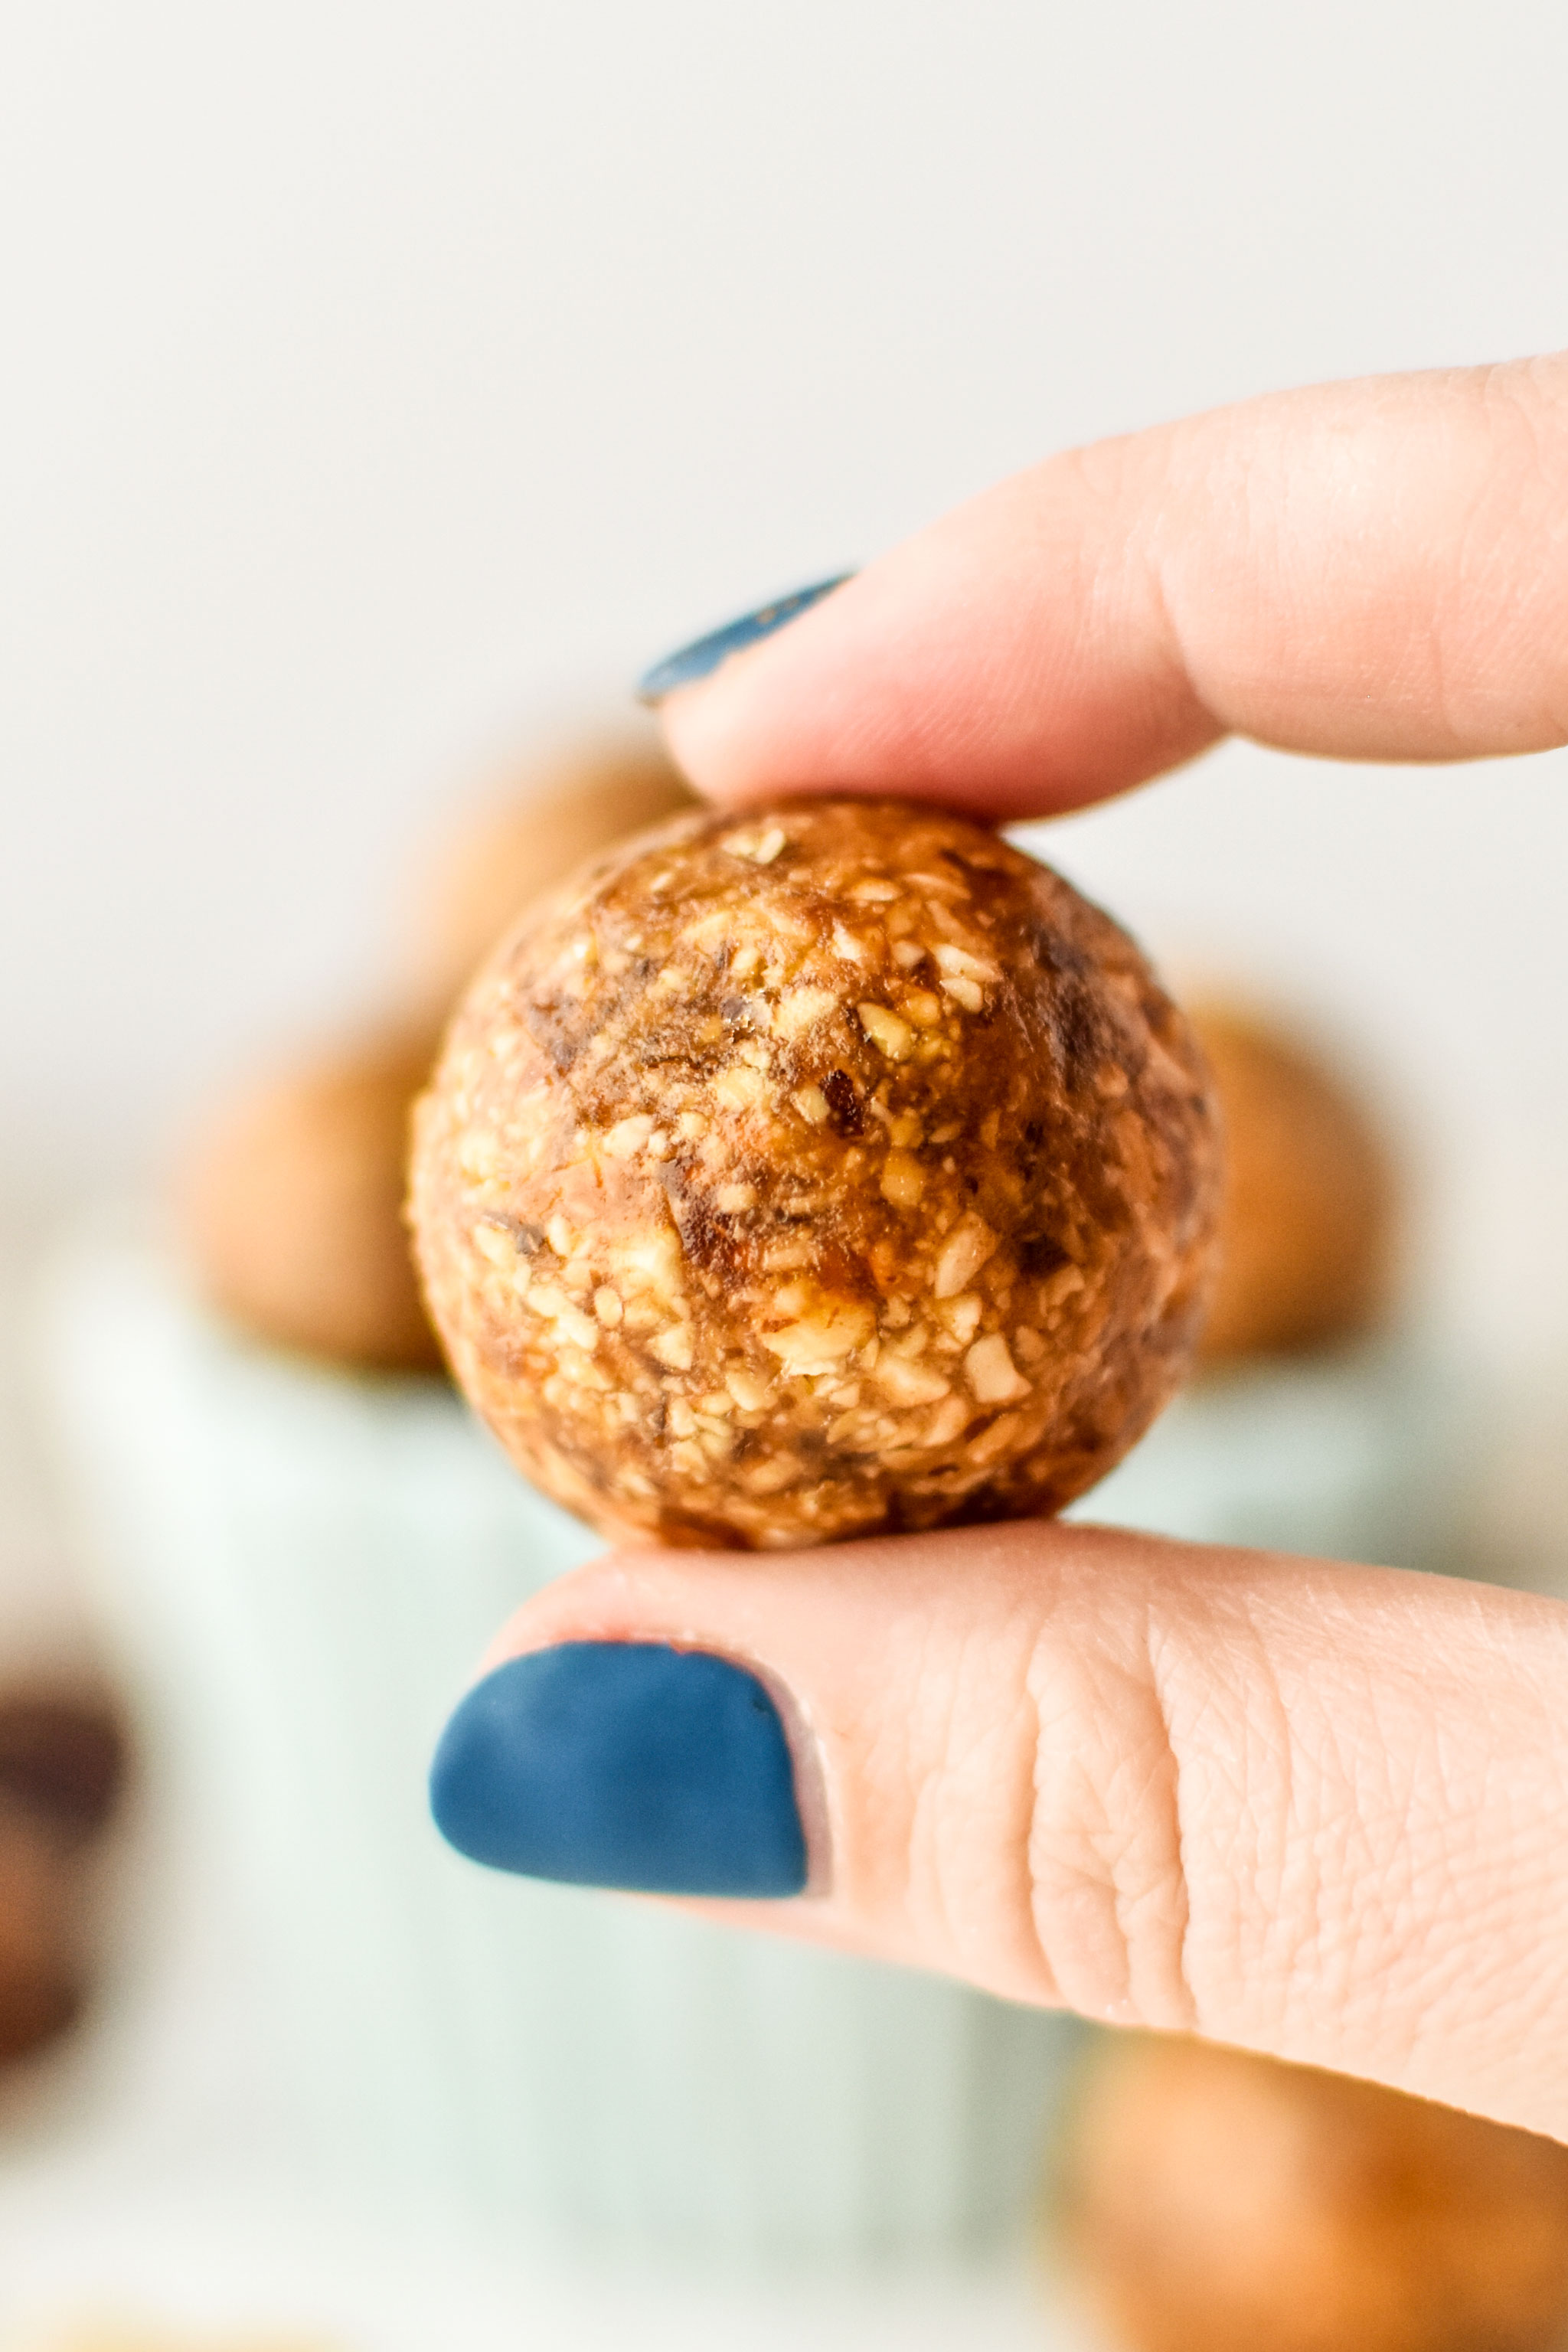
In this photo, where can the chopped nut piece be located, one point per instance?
(628, 1136)
(811, 1104)
(781, 1258)
(961, 1256)
(956, 965)
(731, 1199)
(990, 1371)
(822, 1339)
(895, 1037)
(948, 1423)
(761, 848)
(672, 1345)
(751, 1391)
(962, 1316)
(771, 1477)
(902, 1181)
(738, 1088)
(908, 1383)
(997, 1440)
(802, 1009)
(607, 1307)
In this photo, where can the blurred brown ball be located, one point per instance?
(1213, 2201)
(62, 1762)
(556, 815)
(1306, 1227)
(291, 1201)
(292, 1209)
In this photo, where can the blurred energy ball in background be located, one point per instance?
(1212, 2200)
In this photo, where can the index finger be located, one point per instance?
(1368, 570)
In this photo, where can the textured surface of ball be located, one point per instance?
(1218, 2202)
(291, 1206)
(834, 1170)
(1307, 1222)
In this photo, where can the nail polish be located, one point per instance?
(629, 1764)
(703, 656)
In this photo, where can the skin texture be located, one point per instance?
(1316, 1810)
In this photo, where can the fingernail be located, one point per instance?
(625, 1764)
(702, 657)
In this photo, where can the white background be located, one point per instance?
(379, 380)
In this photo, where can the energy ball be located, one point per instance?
(1213, 2202)
(1306, 1222)
(478, 881)
(291, 1205)
(829, 1172)
(62, 1762)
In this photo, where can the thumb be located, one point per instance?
(1313, 1811)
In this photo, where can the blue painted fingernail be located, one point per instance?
(625, 1764)
(702, 657)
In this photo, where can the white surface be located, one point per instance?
(378, 375)
(186, 2261)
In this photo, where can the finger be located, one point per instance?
(1372, 571)
(1315, 1810)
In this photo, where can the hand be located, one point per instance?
(1317, 1810)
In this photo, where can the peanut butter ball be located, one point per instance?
(829, 1170)
(1218, 2202)
(291, 1204)
(62, 1763)
(1307, 1221)
(528, 838)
